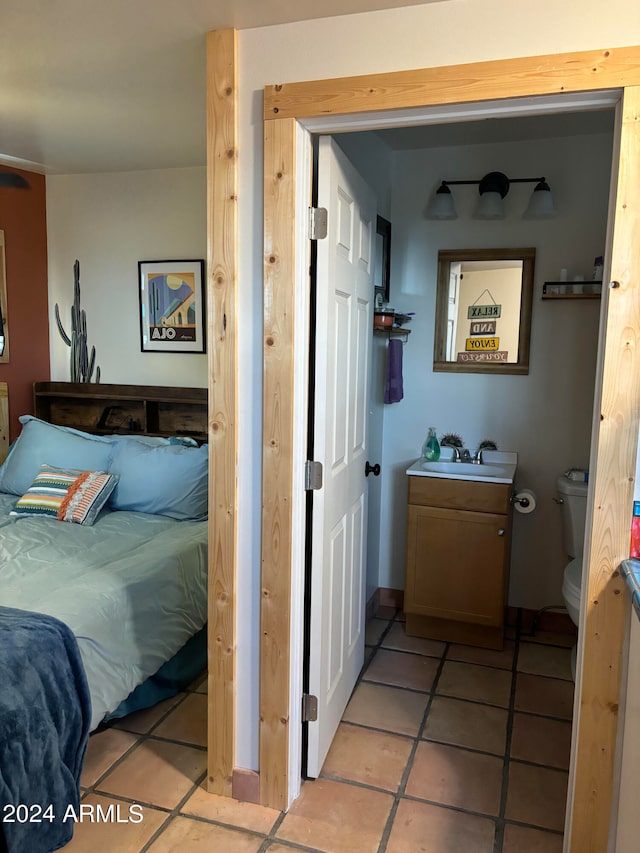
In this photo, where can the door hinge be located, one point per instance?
(312, 475)
(317, 223)
(309, 708)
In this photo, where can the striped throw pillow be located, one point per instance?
(66, 495)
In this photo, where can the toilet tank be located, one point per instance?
(573, 495)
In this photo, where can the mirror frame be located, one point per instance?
(383, 229)
(445, 257)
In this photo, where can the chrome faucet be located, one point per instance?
(478, 457)
(460, 454)
(454, 448)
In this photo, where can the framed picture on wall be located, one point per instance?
(4, 332)
(172, 306)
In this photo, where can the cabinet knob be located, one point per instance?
(501, 531)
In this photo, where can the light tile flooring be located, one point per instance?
(442, 749)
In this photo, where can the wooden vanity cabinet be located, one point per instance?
(457, 564)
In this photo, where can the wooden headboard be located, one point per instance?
(126, 409)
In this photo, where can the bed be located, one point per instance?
(123, 583)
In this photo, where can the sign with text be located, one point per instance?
(479, 312)
(500, 355)
(483, 327)
(481, 344)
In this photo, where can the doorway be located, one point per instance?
(283, 132)
(546, 441)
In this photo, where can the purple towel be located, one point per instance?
(393, 386)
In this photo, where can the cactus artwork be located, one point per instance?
(81, 363)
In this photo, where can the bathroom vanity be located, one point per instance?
(458, 549)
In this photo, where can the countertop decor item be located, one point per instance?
(431, 448)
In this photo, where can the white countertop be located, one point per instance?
(498, 466)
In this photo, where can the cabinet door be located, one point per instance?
(456, 564)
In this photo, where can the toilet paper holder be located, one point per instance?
(523, 501)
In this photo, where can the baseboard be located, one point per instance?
(554, 621)
(390, 597)
(382, 599)
(372, 605)
(245, 785)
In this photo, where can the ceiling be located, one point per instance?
(94, 86)
(490, 130)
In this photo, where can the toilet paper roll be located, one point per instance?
(524, 501)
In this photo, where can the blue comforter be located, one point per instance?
(132, 587)
(45, 714)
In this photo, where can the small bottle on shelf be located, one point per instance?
(598, 268)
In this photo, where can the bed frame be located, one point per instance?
(125, 409)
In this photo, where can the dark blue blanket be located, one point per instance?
(45, 714)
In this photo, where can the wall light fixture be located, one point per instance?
(493, 187)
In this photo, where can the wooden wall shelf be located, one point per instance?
(107, 409)
(393, 332)
(564, 290)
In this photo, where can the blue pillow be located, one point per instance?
(41, 443)
(138, 436)
(163, 480)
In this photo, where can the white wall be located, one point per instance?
(414, 37)
(545, 415)
(109, 222)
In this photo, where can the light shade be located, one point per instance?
(441, 205)
(541, 204)
(490, 206)
(493, 188)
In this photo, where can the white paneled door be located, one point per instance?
(342, 363)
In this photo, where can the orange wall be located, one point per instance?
(23, 220)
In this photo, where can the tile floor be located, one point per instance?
(442, 749)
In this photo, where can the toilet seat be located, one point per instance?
(573, 577)
(571, 586)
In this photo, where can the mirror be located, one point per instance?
(483, 310)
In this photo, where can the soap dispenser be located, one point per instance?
(431, 448)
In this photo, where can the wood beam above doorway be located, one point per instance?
(555, 74)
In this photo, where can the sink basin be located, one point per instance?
(482, 470)
(456, 467)
(497, 467)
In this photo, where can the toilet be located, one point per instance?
(572, 495)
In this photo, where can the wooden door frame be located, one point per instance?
(222, 279)
(286, 106)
